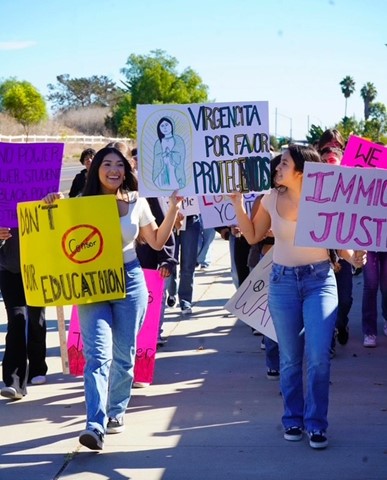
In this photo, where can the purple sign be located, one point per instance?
(28, 171)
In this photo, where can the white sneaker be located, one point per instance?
(12, 393)
(140, 384)
(385, 328)
(38, 380)
(369, 341)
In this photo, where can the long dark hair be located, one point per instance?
(274, 162)
(301, 154)
(93, 184)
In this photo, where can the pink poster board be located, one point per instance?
(146, 339)
(28, 171)
(360, 152)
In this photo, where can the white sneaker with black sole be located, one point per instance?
(115, 425)
(318, 440)
(293, 434)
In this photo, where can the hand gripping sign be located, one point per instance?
(71, 251)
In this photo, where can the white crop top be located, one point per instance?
(139, 214)
(284, 250)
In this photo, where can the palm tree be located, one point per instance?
(347, 88)
(368, 93)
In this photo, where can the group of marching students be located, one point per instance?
(310, 290)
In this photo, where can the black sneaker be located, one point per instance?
(272, 374)
(293, 434)
(171, 301)
(161, 341)
(115, 425)
(343, 335)
(318, 439)
(92, 439)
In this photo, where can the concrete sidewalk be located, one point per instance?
(210, 414)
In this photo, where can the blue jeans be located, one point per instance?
(206, 238)
(186, 249)
(304, 298)
(271, 347)
(271, 353)
(344, 291)
(109, 330)
(375, 276)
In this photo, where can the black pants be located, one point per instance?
(25, 342)
(241, 254)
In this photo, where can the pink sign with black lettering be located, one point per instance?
(360, 152)
(146, 339)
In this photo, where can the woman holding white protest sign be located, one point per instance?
(302, 299)
(109, 328)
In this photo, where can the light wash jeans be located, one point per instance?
(304, 298)
(109, 330)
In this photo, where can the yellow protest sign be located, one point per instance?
(71, 251)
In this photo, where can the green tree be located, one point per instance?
(347, 88)
(349, 126)
(314, 134)
(151, 79)
(123, 119)
(4, 86)
(72, 93)
(368, 93)
(23, 102)
(376, 124)
(274, 143)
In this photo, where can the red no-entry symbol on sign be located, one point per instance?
(82, 243)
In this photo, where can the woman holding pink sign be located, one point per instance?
(109, 328)
(302, 299)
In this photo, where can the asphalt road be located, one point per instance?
(68, 173)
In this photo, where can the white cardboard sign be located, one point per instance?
(249, 303)
(343, 208)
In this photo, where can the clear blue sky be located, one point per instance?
(292, 53)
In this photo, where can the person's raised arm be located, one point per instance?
(156, 237)
(254, 230)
